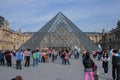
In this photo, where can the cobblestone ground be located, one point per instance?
(52, 71)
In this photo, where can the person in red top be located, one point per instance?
(67, 58)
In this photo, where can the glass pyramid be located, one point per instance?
(59, 32)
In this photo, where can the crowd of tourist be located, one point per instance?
(38, 56)
(44, 56)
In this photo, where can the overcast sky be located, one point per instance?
(88, 15)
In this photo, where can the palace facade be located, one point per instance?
(111, 39)
(10, 39)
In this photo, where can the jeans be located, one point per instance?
(37, 61)
(67, 61)
(18, 64)
(87, 74)
(34, 62)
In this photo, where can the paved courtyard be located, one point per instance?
(52, 71)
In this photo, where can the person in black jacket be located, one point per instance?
(88, 65)
(115, 65)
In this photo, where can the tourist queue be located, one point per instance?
(37, 56)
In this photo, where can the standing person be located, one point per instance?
(19, 59)
(94, 54)
(67, 58)
(8, 57)
(105, 59)
(115, 65)
(63, 57)
(44, 56)
(40, 55)
(75, 53)
(37, 56)
(53, 56)
(34, 58)
(2, 62)
(23, 54)
(88, 65)
(99, 55)
(27, 62)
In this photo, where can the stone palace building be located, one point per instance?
(12, 40)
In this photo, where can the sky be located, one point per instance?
(88, 15)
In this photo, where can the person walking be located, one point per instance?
(105, 59)
(88, 67)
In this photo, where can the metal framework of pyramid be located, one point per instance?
(59, 32)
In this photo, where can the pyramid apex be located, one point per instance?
(60, 13)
